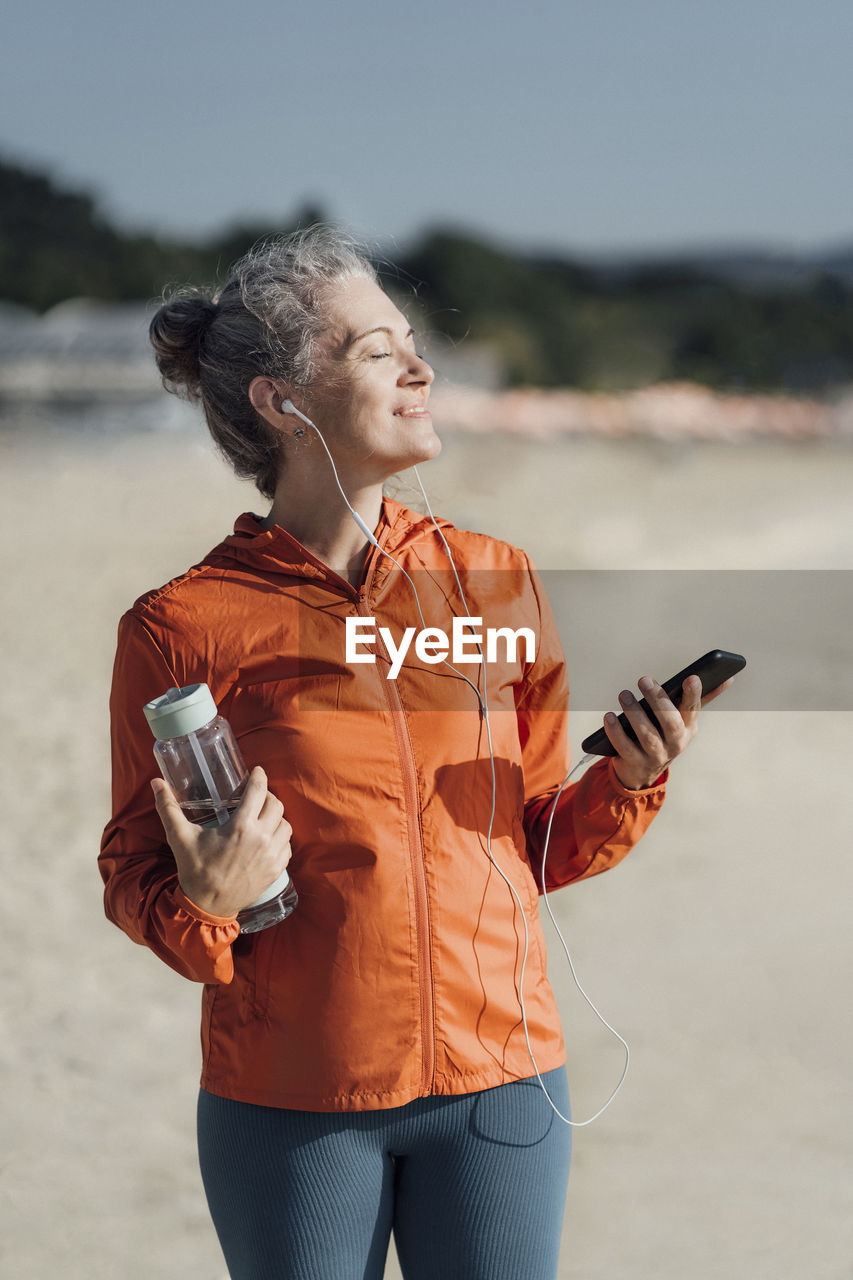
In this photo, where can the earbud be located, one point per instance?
(287, 406)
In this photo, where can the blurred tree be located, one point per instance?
(550, 321)
(54, 244)
(555, 322)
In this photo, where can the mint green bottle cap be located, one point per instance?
(180, 711)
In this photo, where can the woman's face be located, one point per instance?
(369, 396)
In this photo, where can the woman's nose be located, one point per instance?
(418, 371)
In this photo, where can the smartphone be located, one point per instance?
(712, 669)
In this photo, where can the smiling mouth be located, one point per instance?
(415, 411)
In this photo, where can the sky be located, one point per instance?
(594, 128)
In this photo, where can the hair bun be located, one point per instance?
(176, 332)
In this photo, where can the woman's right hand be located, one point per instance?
(224, 869)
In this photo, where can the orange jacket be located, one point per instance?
(396, 975)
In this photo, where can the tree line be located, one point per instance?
(551, 321)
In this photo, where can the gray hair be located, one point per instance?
(265, 322)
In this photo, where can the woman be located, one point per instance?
(368, 1064)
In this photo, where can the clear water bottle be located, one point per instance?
(199, 758)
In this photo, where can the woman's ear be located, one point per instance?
(266, 397)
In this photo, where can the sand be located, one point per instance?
(720, 949)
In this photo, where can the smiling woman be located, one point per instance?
(370, 1063)
(369, 396)
(266, 319)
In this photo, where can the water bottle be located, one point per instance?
(199, 758)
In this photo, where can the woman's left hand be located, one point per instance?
(640, 764)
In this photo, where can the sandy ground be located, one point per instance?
(721, 949)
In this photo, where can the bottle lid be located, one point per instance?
(180, 711)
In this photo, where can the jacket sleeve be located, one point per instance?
(597, 821)
(142, 895)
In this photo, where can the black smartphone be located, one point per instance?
(712, 669)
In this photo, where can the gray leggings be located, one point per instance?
(473, 1186)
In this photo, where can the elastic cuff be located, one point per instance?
(198, 913)
(622, 790)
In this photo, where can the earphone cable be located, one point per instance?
(484, 709)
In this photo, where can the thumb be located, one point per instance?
(169, 811)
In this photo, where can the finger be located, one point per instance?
(651, 740)
(271, 810)
(171, 814)
(661, 705)
(625, 747)
(715, 693)
(253, 797)
(674, 720)
(281, 844)
(691, 701)
(272, 813)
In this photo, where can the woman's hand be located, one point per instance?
(640, 764)
(223, 869)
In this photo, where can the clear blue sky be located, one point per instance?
(607, 125)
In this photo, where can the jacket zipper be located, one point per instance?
(416, 858)
(358, 595)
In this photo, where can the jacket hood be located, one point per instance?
(277, 551)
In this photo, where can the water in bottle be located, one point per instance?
(198, 756)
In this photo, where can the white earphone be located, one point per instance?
(287, 406)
